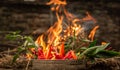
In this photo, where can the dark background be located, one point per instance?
(34, 18)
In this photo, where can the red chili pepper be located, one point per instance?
(73, 55)
(40, 54)
(62, 51)
(40, 51)
(48, 54)
(57, 56)
(41, 57)
(70, 55)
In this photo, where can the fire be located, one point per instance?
(57, 4)
(92, 33)
(52, 46)
(89, 17)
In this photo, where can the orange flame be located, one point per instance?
(103, 43)
(89, 17)
(92, 33)
(56, 4)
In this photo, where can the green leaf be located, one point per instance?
(78, 54)
(100, 48)
(89, 50)
(86, 40)
(13, 36)
(20, 49)
(16, 32)
(94, 50)
(17, 55)
(10, 37)
(31, 46)
(83, 48)
(30, 40)
(108, 53)
(25, 43)
(93, 43)
(67, 48)
(15, 58)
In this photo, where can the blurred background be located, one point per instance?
(33, 17)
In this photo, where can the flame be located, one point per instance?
(40, 42)
(57, 4)
(73, 28)
(53, 38)
(53, 47)
(29, 56)
(89, 17)
(53, 35)
(103, 43)
(92, 33)
(54, 31)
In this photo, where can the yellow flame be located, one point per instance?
(40, 42)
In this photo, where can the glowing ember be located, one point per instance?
(52, 46)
